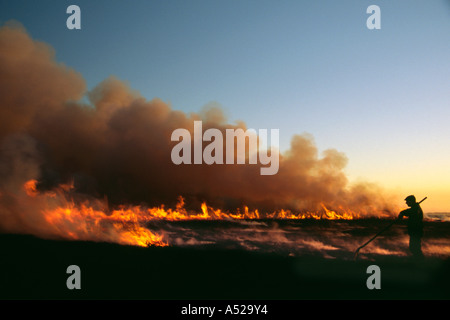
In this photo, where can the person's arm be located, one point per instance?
(405, 213)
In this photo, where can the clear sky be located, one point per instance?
(380, 96)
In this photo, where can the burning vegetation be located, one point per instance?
(63, 215)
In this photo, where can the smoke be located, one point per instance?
(119, 145)
(296, 237)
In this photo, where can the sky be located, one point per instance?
(380, 96)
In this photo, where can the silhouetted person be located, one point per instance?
(415, 225)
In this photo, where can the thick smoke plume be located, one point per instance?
(118, 146)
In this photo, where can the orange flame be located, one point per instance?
(30, 188)
(139, 214)
(84, 222)
(125, 224)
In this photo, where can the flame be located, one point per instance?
(30, 188)
(93, 220)
(83, 221)
(209, 213)
(332, 215)
(86, 223)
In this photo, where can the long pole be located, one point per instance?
(380, 232)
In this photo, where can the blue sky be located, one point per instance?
(380, 96)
